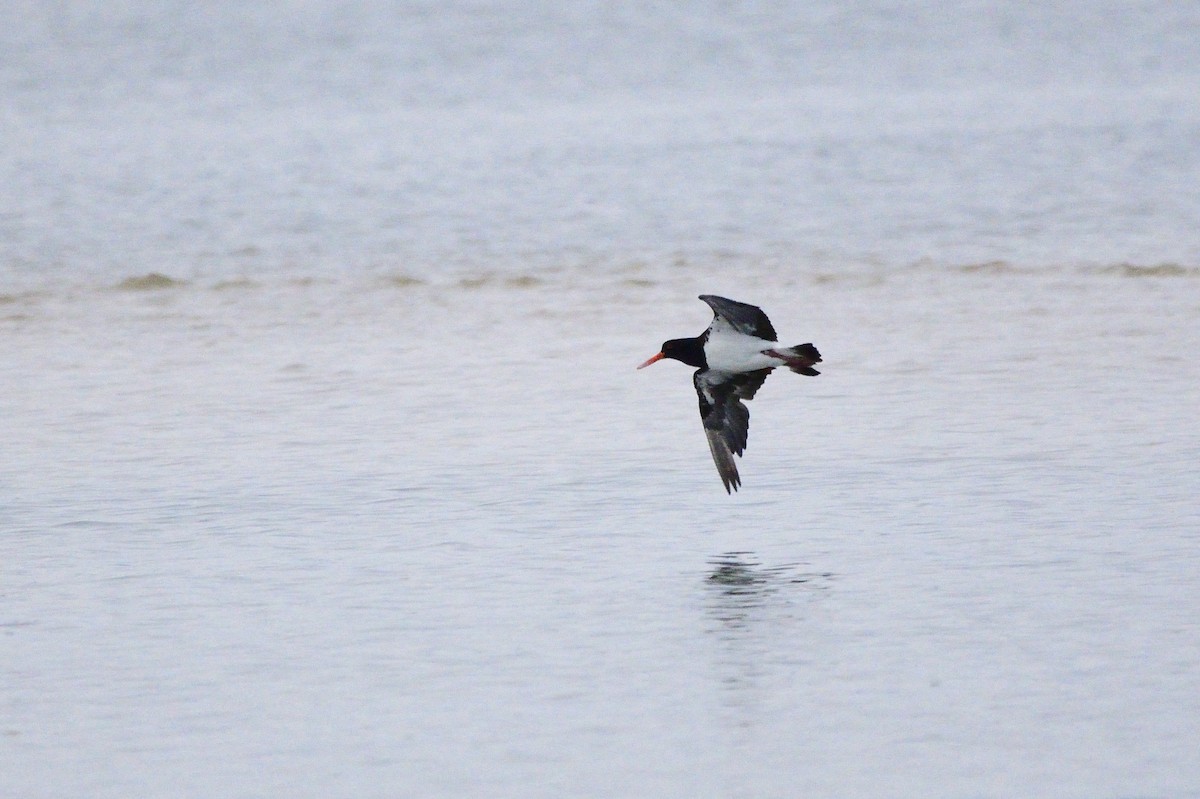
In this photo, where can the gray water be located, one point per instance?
(326, 470)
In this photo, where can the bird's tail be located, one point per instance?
(800, 359)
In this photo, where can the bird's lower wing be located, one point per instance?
(726, 420)
(723, 458)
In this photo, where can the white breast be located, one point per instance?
(728, 350)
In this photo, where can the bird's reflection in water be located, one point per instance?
(757, 620)
(743, 587)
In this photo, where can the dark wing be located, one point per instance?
(748, 319)
(726, 420)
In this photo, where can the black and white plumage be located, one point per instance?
(733, 358)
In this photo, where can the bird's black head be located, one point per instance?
(687, 350)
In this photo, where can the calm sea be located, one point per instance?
(325, 470)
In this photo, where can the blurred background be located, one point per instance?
(318, 138)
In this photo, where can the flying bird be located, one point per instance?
(733, 358)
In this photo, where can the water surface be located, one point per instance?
(326, 470)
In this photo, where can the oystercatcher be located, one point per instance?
(734, 357)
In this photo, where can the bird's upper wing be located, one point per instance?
(748, 319)
(726, 420)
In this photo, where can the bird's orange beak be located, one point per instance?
(658, 357)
